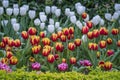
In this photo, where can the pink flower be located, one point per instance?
(63, 66)
(85, 63)
(36, 66)
(5, 67)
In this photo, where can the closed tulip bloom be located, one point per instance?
(80, 9)
(56, 56)
(71, 46)
(96, 33)
(51, 21)
(1, 10)
(73, 60)
(47, 9)
(4, 22)
(4, 60)
(34, 40)
(102, 22)
(2, 45)
(67, 11)
(15, 11)
(37, 22)
(85, 30)
(108, 65)
(89, 24)
(5, 3)
(23, 11)
(84, 15)
(42, 26)
(101, 64)
(72, 13)
(63, 38)
(53, 8)
(77, 42)
(115, 31)
(63, 60)
(43, 18)
(24, 35)
(32, 31)
(87, 18)
(77, 4)
(32, 14)
(54, 37)
(65, 31)
(109, 41)
(48, 47)
(36, 49)
(59, 33)
(17, 43)
(115, 16)
(11, 42)
(58, 12)
(71, 30)
(103, 31)
(117, 7)
(51, 28)
(108, 16)
(96, 20)
(102, 44)
(73, 19)
(26, 7)
(59, 46)
(46, 41)
(90, 35)
(84, 38)
(98, 54)
(51, 58)
(8, 48)
(42, 34)
(118, 43)
(15, 5)
(57, 24)
(45, 52)
(16, 27)
(36, 66)
(59, 29)
(13, 60)
(5, 40)
(110, 52)
(93, 46)
(9, 54)
(9, 11)
(13, 20)
(32, 59)
(79, 25)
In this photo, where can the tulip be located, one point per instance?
(65, 31)
(8, 48)
(9, 11)
(73, 60)
(77, 42)
(84, 38)
(109, 41)
(117, 7)
(71, 46)
(36, 66)
(89, 24)
(2, 45)
(5, 40)
(15, 5)
(108, 16)
(13, 20)
(1, 10)
(37, 22)
(9, 54)
(23, 11)
(41, 13)
(4, 22)
(36, 49)
(93, 46)
(51, 28)
(98, 54)
(79, 25)
(115, 31)
(67, 11)
(24, 35)
(51, 58)
(85, 30)
(5, 3)
(63, 66)
(56, 56)
(59, 46)
(42, 34)
(42, 26)
(46, 41)
(51, 21)
(45, 52)
(11, 42)
(77, 4)
(53, 8)
(43, 18)
(32, 31)
(87, 18)
(58, 12)
(90, 35)
(71, 30)
(34, 40)
(32, 14)
(15, 11)
(17, 43)
(102, 22)
(13, 60)
(57, 24)
(118, 43)
(54, 37)
(96, 20)
(115, 16)
(96, 33)
(103, 31)
(73, 19)
(102, 44)
(59, 33)
(16, 27)
(110, 52)
(63, 60)
(26, 7)
(108, 66)
(48, 47)
(85, 63)
(47, 9)
(71, 13)
(101, 64)
(4, 60)
(84, 15)
(80, 9)
(32, 59)
(63, 38)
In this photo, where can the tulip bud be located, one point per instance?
(2, 45)
(98, 54)
(71, 46)
(71, 30)
(43, 18)
(117, 7)
(63, 60)
(42, 34)
(32, 31)
(108, 16)
(4, 60)
(36, 49)
(47, 9)
(26, 7)
(13, 60)
(56, 56)
(90, 35)
(84, 15)
(102, 44)
(77, 4)
(73, 19)
(80, 9)
(65, 31)
(110, 52)
(93, 46)
(102, 22)
(51, 21)
(89, 24)
(118, 43)
(103, 31)
(79, 25)
(59, 46)
(24, 35)
(5, 3)
(15, 6)
(53, 9)
(9, 54)
(5, 40)
(77, 42)
(101, 64)
(34, 40)
(17, 43)
(31, 14)
(54, 37)
(115, 16)
(115, 31)
(109, 41)
(1, 11)
(51, 28)
(8, 48)
(37, 22)
(42, 26)
(85, 30)
(4, 22)
(73, 60)
(32, 59)
(23, 11)
(59, 33)
(45, 52)
(9, 11)
(57, 24)
(15, 11)
(96, 20)
(11, 42)
(96, 33)
(58, 12)
(13, 20)
(71, 13)
(16, 27)
(46, 41)
(63, 38)
(67, 11)
(108, 65)
(51, 58)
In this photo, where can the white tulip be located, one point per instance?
(16, 27)
(80, 9)
(51, 21)
(67, 11)
(15, 6)
(42, 26)
(77, 4)
(13, 20)
(79, 25)
(23, 11)
(26, 7)
(96, 20)
(84, 24)
(73, 19)
(37, 22)
(32, 14)
(102, 22)
(117, 7)
(58, 12)
(51, 28)
(108, 16)
(1, 10)
(115, 16)
(71, 13)
(4, 22)
(43, 18)
(59, 28)
(47, 9)
(5, 3)
(84, 38)
(57, 24)
(53, 8)
(87, 18)
(9, 11)
(41, 13)
(15, 11)
(118, 12)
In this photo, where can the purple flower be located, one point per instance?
(63, 66)
(85, 63)
(36, 66)
(5, 67)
